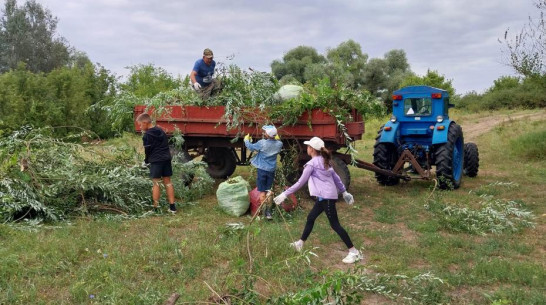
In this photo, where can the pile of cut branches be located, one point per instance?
(47, 178)
(244, 90)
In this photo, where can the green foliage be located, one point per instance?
(530, 146)
(146, 81)
(59, 98)
(508, 93)
(51, 178)
(346, 66)
(526, 52)
(294, 63)
(27, 35)
(433, 79)
(491, 216)
(349, 287)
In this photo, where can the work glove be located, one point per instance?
(348, 198)
(196, 86)
(279, 199)
(145, 165)
(248, 137)
(277, 137)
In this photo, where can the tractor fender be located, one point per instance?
(440, 136)
(391, 135)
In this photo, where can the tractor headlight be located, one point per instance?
(439, 119)
(393, 119)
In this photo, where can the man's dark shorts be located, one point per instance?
(161, 169)
(265, 180)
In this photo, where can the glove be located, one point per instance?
(279, 199)
(348, 198)
(248, 137)
(277, 137)
(196, 86)
(144, 165)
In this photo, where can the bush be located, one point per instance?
(530, 146)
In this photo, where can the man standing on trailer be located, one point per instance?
(201, 76)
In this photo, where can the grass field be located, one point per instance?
(481, 244)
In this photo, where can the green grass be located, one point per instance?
(143, 261)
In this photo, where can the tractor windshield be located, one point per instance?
(420, 106)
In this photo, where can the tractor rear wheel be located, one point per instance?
(221, 162)
(385, 156)
(341, 169)
(471, 159)
(449, 159)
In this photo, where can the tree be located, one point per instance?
(527, 50)
(295, 61)
(348, 61)
(433, 79)
(149, 80)
(27, 34)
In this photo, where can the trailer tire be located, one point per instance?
(385, 156)
(342, 170)
(449, 159)
(471, 159)
(221, 162)
(182, 156)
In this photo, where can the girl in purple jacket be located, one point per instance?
(324, 184)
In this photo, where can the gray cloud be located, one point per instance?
(456, 38)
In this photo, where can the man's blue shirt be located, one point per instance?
(204, 72)
(266, 158)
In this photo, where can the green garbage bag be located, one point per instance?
(287, 92)
(233, 197)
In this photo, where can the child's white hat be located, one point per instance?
(270, 130)
(315, 142)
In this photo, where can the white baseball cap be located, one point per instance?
(315, 142)
(270, 130)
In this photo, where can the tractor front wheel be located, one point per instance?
(385, 156)
(471, 159)
(449, 159)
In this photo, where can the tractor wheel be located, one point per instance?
(385, 156)
(449, 159)
(182, 156)
(221, 162)
(471, 159)
(341, 169)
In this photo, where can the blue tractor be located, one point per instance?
(420, 135)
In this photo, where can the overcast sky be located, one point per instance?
(458, 38)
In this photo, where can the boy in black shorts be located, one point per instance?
(158, 156)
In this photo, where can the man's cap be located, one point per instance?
(270, 130)
(315, 142)
(208, 53)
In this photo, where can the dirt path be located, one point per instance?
(473, 130)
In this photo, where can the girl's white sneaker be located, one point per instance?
(352, 257)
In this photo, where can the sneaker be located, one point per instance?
(297, 245)
(352, 257)
(268, 214)
(172, 208)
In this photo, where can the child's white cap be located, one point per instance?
(315, 142)
(270, 130)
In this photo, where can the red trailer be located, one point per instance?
(206, 133)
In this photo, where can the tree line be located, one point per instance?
(46, 82)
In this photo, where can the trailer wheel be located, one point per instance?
(449, 159)
(221, 162)
(471, 159)
(341, 169)
(182, 156)
(385, 156)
